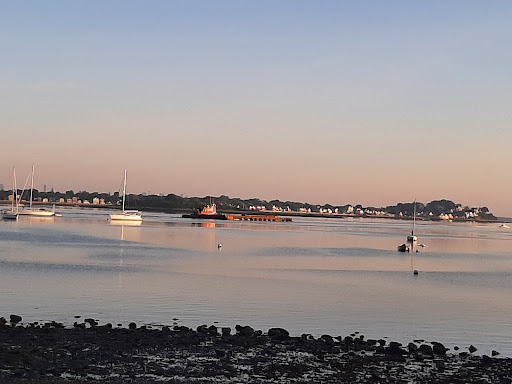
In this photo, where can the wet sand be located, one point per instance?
(88, 352)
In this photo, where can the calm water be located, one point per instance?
(317, 276)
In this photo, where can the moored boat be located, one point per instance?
(41, 212)
(208, 212)
(412, 240)
(126, 215)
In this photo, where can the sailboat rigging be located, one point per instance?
(131, 215)
(35, 212)
(12, 214)
(412, 239)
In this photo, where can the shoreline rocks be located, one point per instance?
(89, 352)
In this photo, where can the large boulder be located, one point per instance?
(278, 333)
(426, 349)
(15, 319)
(438, 348)
(394, 348)
(245, 330)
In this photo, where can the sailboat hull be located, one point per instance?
(125, 216)
(36, 212)
(9, 215)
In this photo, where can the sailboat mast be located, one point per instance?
(124, 189)
(13, 189)
(15, 192)
(31, 187)
(414, 219)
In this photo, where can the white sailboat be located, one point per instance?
(126, 215)
(12, 214)
(35, 212)
(412, 240)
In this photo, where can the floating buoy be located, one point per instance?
(219, 246)
(415, 272)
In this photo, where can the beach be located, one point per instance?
(89, 352)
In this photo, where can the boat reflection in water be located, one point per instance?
(126, 223)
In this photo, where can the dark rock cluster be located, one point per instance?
(93, 353)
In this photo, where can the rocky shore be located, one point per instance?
(88, 352)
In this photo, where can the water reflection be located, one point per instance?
(309, 275)
(129, 229)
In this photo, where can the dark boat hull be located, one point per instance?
(202, 216)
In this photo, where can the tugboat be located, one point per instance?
(208, 212)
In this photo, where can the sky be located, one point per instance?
(339, 102)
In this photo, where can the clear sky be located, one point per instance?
(370, 102)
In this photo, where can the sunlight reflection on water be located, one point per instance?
(311, 275)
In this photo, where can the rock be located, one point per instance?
(245, 331)
(226, 331)
(278, 333)
(2, 321)
(213, 330)
(426, 349)
(439, 365)
(438, 348)
(494, 353)
(412, 347)
(15, 319)
(91, 322)
(132, 325)
(327, 339)
(394, 348)
(472, 349)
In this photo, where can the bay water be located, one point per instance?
(319, 276)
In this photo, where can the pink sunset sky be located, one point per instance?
(336, 102)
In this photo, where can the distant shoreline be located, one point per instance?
(264, 212)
